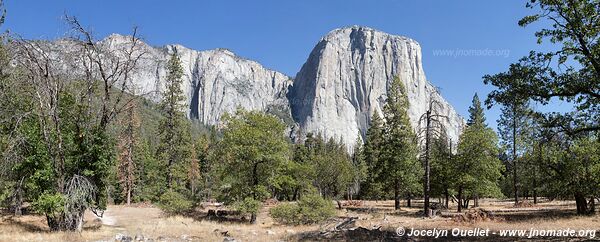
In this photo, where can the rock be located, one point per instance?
(139, 237)
(270, 232)
(215, 82)
(229, 239)
(345, 80)
(123, 238)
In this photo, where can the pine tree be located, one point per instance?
(174, 129)
(476, 116)
(371, 188)
(477, 168)
(402, 171)
(514, 129)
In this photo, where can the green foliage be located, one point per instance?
(310, 209)
(442, 167)
(51, 204)
(327, 165)
(175, 146)
(372, 188)
(253, 146)
(478, 167)
(476, 115)
(566, 74)
(247, 206)
(173, 202)
(390, 151)
(286, 213)
(403, 171)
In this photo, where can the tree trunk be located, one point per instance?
(128, 196)
(78, 226)
(446, 193)
(18, 198)
(339, 203)
(408, 201)
(581, 204)
(426, 185)
(514, 156)
(253, 218)
(459, 199)
(396, 195)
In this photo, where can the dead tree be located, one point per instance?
(127, 143)
(430, 127)
(98, 75)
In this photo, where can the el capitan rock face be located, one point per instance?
(345, 80)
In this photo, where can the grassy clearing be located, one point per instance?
(150, 222)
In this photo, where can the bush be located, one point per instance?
(310, 209)
(247, 206)
(175, 203)
(286, 213)
(49, 204)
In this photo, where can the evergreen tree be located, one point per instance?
(476, 115)
(371, 188)
(359, 167)
(514, 128)
(402, 171)
(442, 168)
(175, 144)
(477, 168)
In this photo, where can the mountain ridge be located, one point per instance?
(342, 83)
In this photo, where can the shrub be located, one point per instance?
(286, 213)
(172, 202)
(310, 209)
(247, 206)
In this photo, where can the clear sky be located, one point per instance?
(483, 35)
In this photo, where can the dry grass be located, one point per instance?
(151, 223)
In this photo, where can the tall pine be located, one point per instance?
(175, 145)
(371, 188)
(477, 168)
(402, 171)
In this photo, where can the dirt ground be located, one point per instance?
(371, 221)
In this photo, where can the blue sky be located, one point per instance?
(280, 34)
